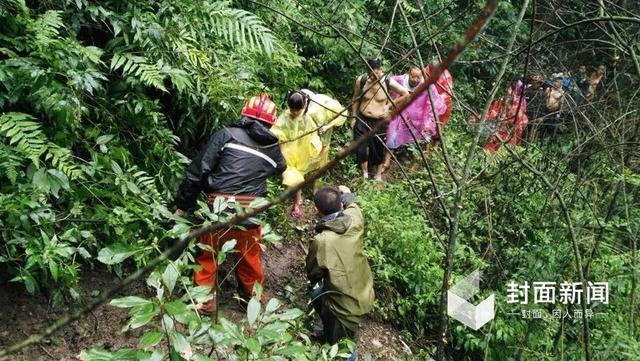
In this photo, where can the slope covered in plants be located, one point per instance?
(103, 103)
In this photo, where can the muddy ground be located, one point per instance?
(22, 314)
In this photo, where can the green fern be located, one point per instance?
(25, 136)
(408, 8)
(14, 7)
(139, 67)
(46, 27)
(242, 28)
(143, 185)
(10, 162)
(62, 159)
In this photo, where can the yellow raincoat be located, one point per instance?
(307, 153)
(322, 109)
(298, 150)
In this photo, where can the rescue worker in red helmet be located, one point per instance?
(235, 164)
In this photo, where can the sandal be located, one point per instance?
(297, 211)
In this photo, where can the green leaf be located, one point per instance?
(167, 323)
(291, 350)
(290, 314)
(115, 254)
(228, 245)
(129, 301)
(272, 305)
(157, 355)
(219, 204)
(226, 248)
(258, 202)
(28, 280)
(176, 308)
(181, 345)
(232, 330)
(104, 139)
(253, 309)
(54, 270)
(269, 335)
(133, 187)
(125, 354)
(334, 351)
(178, 230)
(253, 345)
(142, 318)
(65, 251)
(150, 339)
(201, 358)
(57, 180)
(41, 181)
(96, 355)
(170, 276)
(84, 253)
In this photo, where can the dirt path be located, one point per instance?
(22, 314)
(286, 280)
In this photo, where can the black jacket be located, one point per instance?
(237, 160)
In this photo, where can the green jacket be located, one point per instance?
(336, 256)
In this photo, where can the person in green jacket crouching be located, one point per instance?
(336, 261)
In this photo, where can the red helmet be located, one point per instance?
(260, 107)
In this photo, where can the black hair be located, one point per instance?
(328, 200)
(374, 63)
(296, 100)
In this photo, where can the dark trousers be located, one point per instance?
(372, 150)
(332, 329)
(551, 121)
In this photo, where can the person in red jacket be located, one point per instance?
(510, 118)
(235, 165)
(444, 86)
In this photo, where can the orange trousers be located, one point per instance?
(247, 254)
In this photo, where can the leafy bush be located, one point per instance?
(173, 322)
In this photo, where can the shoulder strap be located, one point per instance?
(363, 81)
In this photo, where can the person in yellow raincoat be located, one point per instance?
(304, 131)
(327, 113)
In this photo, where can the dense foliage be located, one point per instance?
(102, 103)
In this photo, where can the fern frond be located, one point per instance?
(409, 8)
(47, 27)
(242, 28)
(14, 7)
(10, 162)
(146, 185)
(139, 67)
(62, 159)
(24, 134)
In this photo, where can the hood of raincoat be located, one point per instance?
(257, 131)
(337, 222)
